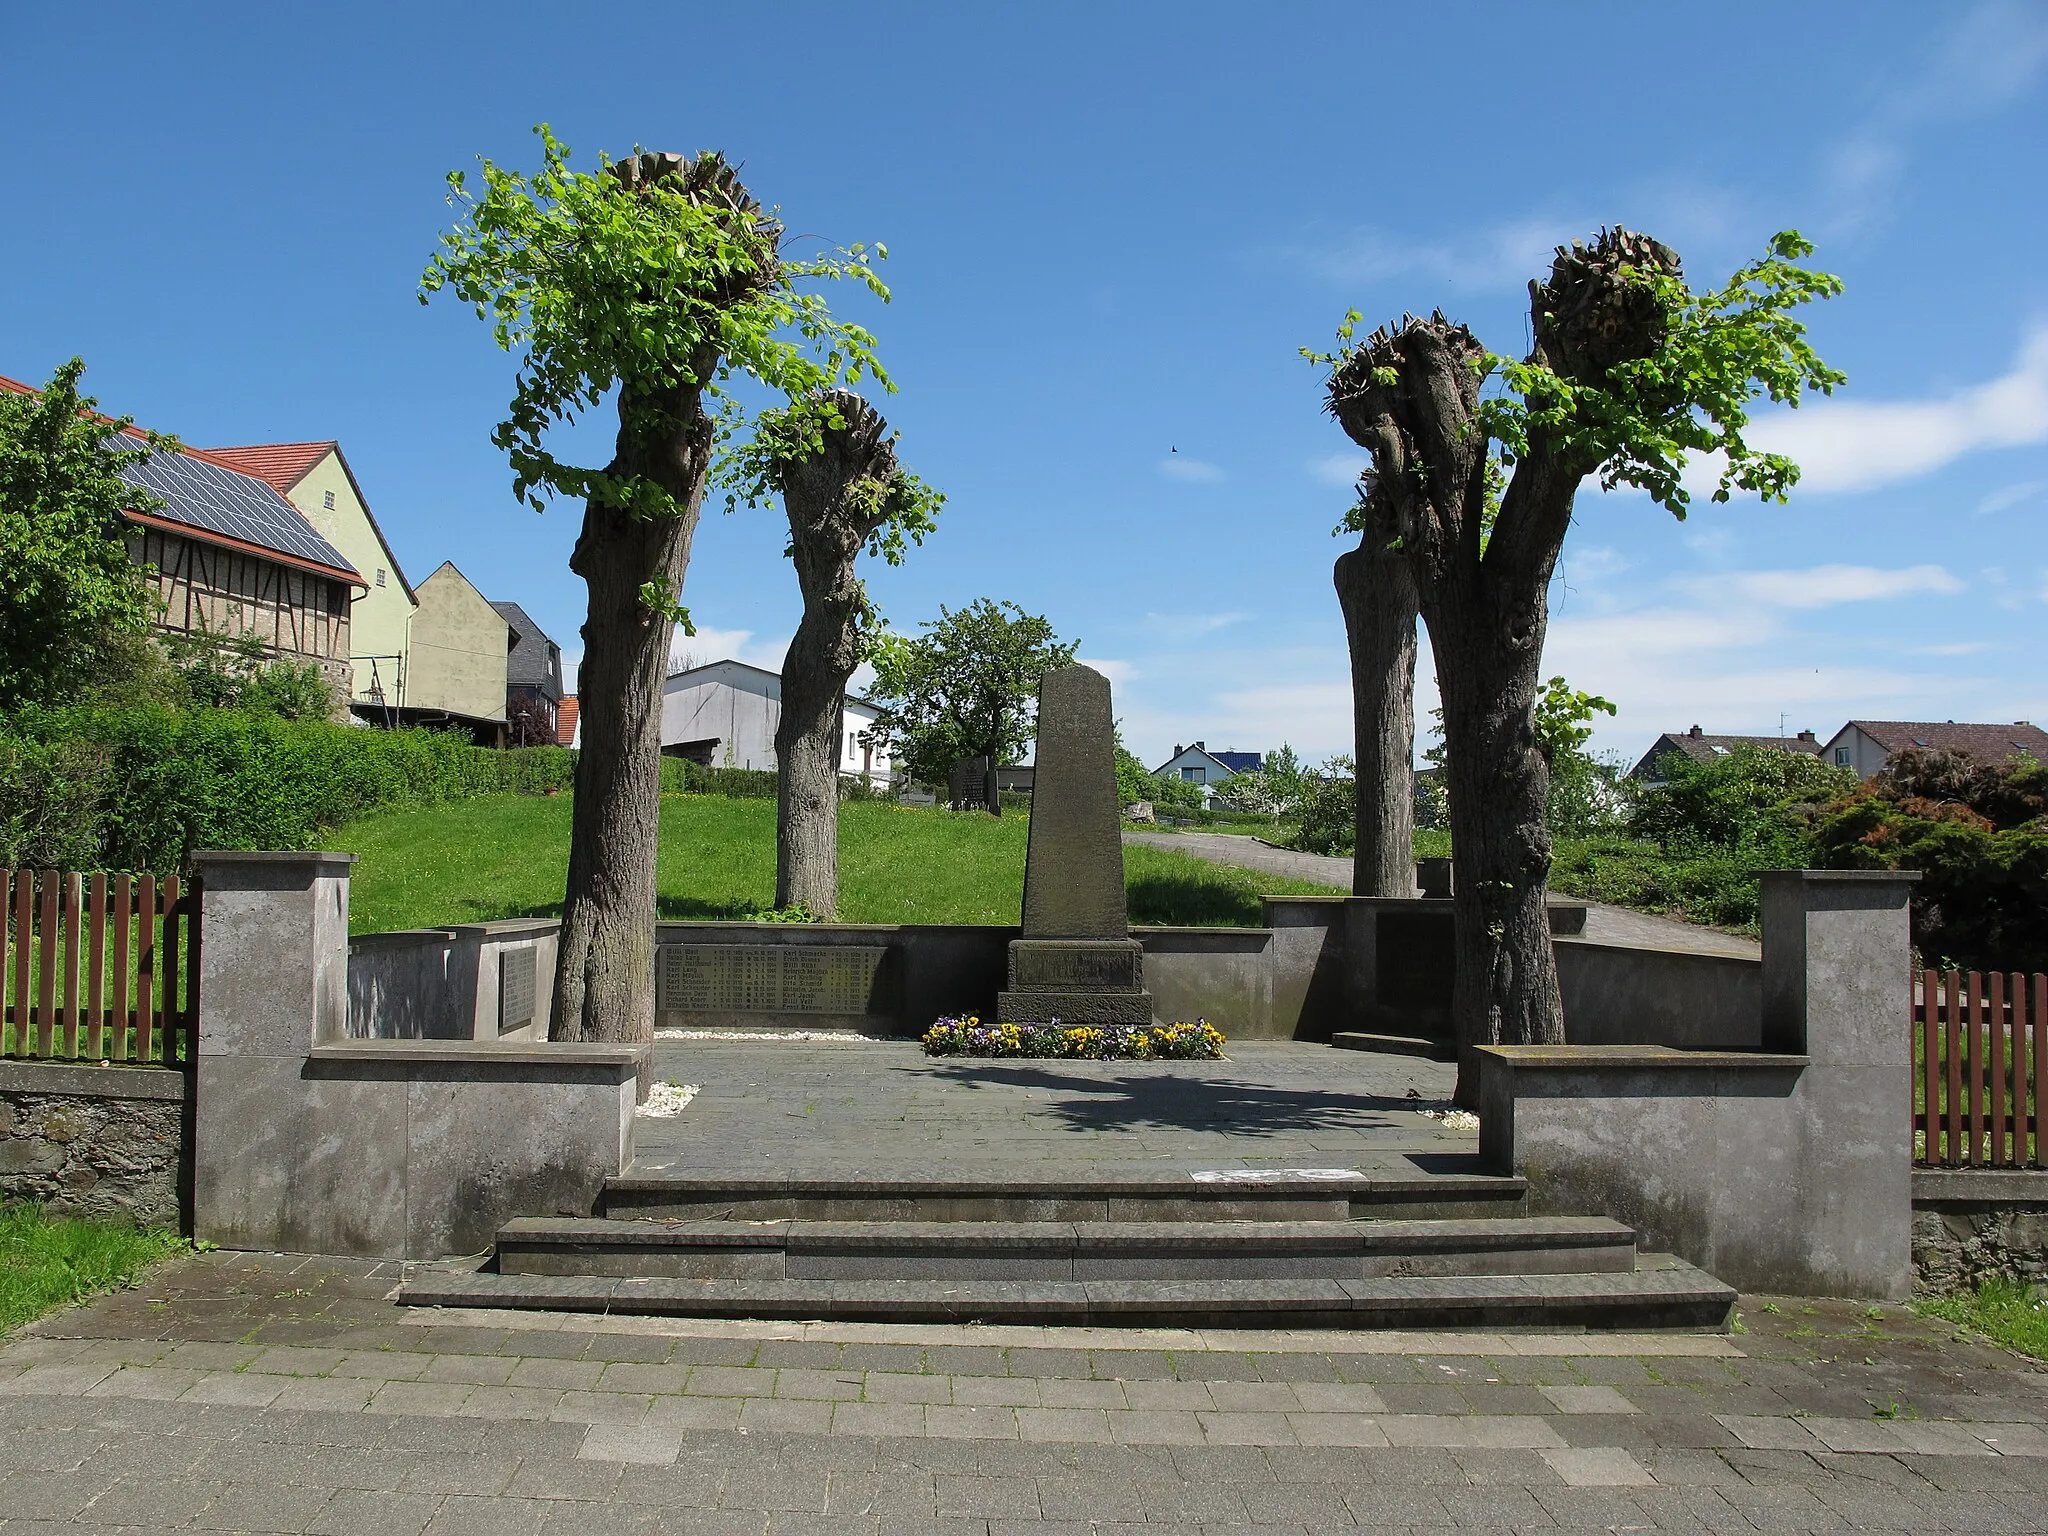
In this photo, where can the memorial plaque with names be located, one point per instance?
(518, 989)
(768, 978)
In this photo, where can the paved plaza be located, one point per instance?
(833, 1108)
(269, 1393)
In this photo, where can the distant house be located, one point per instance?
(568, 720)
(1867, 745)
(1702, 748)
(724, 715)
(316, 478)
(234, 558)
(533, 673)
(1196, 764)
(455, 674)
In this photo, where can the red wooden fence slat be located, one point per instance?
(1953, 1008)
(172, 1016)
(2020, 1119)
(2040, 1053)
(46, 954)
(6, 891)
(1930, 1061)
(96, 973)
(1975, 1003)
(145, 972)
(71, 892)
(1994, 1069)
(117, 1037)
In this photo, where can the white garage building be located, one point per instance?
(724, 714)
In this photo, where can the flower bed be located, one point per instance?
(969, 1036)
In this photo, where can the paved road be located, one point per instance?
(875, 1104)
(269, 1393)
(1604, 923)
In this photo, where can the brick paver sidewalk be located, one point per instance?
(267, 1393)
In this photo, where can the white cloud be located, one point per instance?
(1190, 470)
(711, 644)
(1988, 60)
(1180, 627)
(1855, 445)
(1822, 586)
(1342, 469)
(1952, 648)
(2007, 497)
(1118, 672)
(1506, 253)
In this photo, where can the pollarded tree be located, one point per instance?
(1630, 373)
(662, 278)
(72, 603)
(833, 459)
(966, 687)
(1376, 590)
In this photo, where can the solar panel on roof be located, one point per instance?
(205, 495)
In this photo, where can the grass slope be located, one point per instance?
(49, 1261)
(507, 856)
(2006, 1311)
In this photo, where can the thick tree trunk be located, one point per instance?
(827, 527)
(807, 757)
(1487, 666)
(604, 976)
(1377, 591)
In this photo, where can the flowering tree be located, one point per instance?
(660, 278)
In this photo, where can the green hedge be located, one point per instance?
(143, 788)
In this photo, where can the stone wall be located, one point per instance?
(1977, 1223)
(103, 1142)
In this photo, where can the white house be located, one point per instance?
(1198, 765)
(724, 714)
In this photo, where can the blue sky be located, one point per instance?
(1110, 229)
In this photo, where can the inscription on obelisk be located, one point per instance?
(1077, 961)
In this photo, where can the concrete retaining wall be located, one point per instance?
(1618, 994)
(309, 1141)
(442, 983)
(1784, 1169)
(102, 1142)
(1971, 1224)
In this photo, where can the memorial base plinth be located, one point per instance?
(1077, 981)
(1074, 1007)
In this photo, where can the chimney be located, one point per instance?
(1178, 749)
(1694, 732)
(1200, 747)
(1806, 736)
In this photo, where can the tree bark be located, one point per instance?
(1410, 396)
(604, 975)
(827, 528)
(1377, 592)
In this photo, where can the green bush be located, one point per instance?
(1706, 885)
(680, 776)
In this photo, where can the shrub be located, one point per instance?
(968, 1036)
(1978, 834)
(680, 776)
(1758, 801)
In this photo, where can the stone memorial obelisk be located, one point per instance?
(1077, 961)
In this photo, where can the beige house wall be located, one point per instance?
(458, 650)
(380, 622)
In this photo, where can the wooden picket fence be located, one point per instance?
(98, 967)
(1980, 1068)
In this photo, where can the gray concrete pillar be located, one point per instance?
(273, 983)
(1836, 972)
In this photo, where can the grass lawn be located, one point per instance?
(507, 856)
(48, 1261)
(2004, 1311)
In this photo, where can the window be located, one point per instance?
(852, 745)
(380, 575)
(1191, 775)
(327, 500)
(1841, 757)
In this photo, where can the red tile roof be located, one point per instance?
(565, 721)
(1987, 743)
(283, 465)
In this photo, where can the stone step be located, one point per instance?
(1396, 1045)
(1662, 1293)
(1056, 1250)
(1110, 1195)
